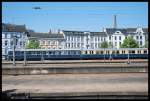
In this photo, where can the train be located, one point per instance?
(78, 54)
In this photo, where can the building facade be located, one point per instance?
(9, 31)
(48, 40)
(116, 35)
(83, 39)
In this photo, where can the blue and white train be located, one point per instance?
(76, 54)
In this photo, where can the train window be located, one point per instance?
(101, 52)
(38, 52)
(85, 52)
(113, 52)
(145, 51)
(107, 52)
(97, 52)
(117, 51)
(91, 52)
(47, 53)
(123, 52)
(133, 52)
(17, 53)
(44, 52)
(68, 52)
(130, 52)
(139, 51)
(50, 52)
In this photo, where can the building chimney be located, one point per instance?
(115, 22)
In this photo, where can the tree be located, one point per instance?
(129, 42)
(146, 44)
(33, 44)
(104, 44)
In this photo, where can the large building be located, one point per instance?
(83, 39)
(116, 36)
(48, 40)
(9, 31)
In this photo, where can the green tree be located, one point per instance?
(33, 44)
(104, 44)
(146, 44)
(129, 42)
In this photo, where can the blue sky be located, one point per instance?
(82, 16)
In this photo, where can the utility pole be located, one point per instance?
(14, 46)
(24, 49)
(104, 54)
(128, 56)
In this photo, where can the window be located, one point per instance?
(119, 37)
(11, 43)
(69, 45)
(49, 42)
(140, 42)
(95, 39)
(75, 45)
(119, 43)
(6, 42)
(115, 38)
(140, 37)
(72, 38)
(115, 43)
(101, 39)
(98, 38)
(78, 45)
(104, 39)
(117, 52)
(133, 51)
(109, 37)
(43, 42)
(91, 38)
(126, 37)
(5, 35)
(137, 37)
(20, 43)
(78, 38)
(95, 45)
(145, 51)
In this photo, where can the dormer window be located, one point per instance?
(117, 32)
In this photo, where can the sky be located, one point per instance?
(78, 16)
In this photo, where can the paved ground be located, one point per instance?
(118, 82)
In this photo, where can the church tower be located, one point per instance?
(115, 22)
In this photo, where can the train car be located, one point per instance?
(45, 54)
(76, 54)
(114, 53)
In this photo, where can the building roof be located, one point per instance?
(13, 28)
(82, 33)
(98, 33)
(73, 32)
(145, 30)
(113, 30)
(125, 31)
(44, 35)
